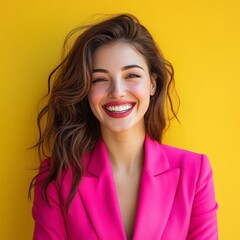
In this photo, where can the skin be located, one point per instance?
(121, 77)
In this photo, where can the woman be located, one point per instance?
(109, 176)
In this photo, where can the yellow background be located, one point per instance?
(201, 38)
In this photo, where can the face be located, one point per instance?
(121, 87)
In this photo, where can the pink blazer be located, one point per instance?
(176, 199)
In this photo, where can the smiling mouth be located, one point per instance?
(119, 109)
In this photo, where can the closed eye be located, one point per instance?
(98, 80)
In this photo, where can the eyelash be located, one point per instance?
(133, 75)
(130, 75)
(98, 80)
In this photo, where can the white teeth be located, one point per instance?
(121, 108)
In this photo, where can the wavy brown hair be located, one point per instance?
(67, 126)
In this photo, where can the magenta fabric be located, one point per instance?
(176, 199)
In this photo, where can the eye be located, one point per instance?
(133, 75)
(98, 80)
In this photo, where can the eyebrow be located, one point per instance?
(123, 68)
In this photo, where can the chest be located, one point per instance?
(127, 189)
(106, 209)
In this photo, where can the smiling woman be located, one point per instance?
(108, 175)
(121, 88)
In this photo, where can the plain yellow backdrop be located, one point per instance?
(201, 38)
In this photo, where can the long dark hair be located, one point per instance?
(67, 127)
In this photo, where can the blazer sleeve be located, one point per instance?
(203, 222)
(49, 218)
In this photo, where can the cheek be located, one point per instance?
(92, 102)
(94, 97)
(142, 91)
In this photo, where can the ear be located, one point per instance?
(153, 85)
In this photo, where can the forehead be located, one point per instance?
(117, 55)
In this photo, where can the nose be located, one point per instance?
(117, 89)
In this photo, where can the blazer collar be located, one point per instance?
(98, 160)
(152, 153)
(157, 191)
(155, 160)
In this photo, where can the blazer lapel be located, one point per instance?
(98, 193)
(157, 190)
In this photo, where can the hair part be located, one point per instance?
(70, 128)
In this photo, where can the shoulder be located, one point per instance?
(167, 157)
(56, 183)
(175, 154)
(187, 161)
(46, 167)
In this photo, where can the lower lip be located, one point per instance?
(118, 114)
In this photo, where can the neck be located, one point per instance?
(125, 150)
